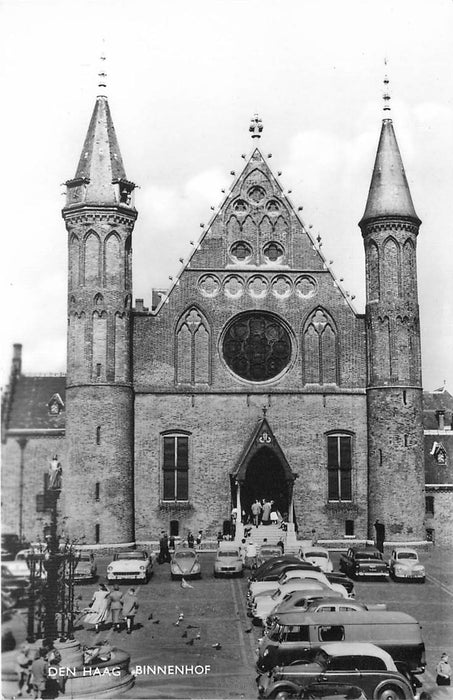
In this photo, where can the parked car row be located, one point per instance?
(318, 639)
(368, 562)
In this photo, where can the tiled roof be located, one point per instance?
(436, 401)
(30, 409)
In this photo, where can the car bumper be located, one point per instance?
(126, 576)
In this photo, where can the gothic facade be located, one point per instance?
(252, 377)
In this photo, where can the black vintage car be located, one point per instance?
(364, 562)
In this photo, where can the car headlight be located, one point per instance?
(142, 568)
(266, 652)
(110, 569)
(419, 567)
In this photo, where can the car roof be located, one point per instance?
(186, 550)
(315, 548)
(337, 599)
(361, 617)
(405, 549)
(356, 649)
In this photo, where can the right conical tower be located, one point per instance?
(394, 389)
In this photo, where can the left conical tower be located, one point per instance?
(99, 214)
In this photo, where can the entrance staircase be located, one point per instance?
(273, 534)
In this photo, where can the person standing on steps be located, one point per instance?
(256, 512)
(265, 520)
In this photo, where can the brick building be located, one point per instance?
(251, 377)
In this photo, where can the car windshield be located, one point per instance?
(321, 658)
(275, 633)
(276, 595)
(320, 555)
(131, 555)
(85, 557)
(367, 555)
(407, 555)
(185, 555)
(229, 553)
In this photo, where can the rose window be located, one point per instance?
(257, 346)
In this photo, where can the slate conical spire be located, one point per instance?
(389, 193)
(100, 164)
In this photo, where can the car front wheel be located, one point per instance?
(282, 694)
(391, 692)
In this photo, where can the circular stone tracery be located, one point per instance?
(257, 346)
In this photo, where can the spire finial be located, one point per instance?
(102, 75)
(256, 127)
(386, 95)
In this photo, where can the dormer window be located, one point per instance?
(55, 405)
(439, 453)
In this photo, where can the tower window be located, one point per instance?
(405, 397)
(429, 505)
(98, 369)
(97, 490)
(98, 435)
(97, 533)
(339, 467)
(349, 528)
(174, 528)
(405, 441)
(380, 457)
(175, 468)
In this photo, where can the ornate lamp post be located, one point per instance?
(54, 590)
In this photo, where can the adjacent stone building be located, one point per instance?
(251, 377)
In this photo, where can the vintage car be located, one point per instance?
(318, 556)
(86, 569)
(185, 564)
(404, 565)
(228, 561)
(266, 552)
(273, 563)
(14, 588)
(363, 665)
(363, 562)
(265, 606)
(134, 565)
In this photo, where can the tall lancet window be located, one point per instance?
(320, 354)
(193, 357)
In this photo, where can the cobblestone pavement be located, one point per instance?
(214, 612)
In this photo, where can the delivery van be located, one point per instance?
(296, 636)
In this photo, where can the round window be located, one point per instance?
(257, 346)
(240, 250)
(273, 251)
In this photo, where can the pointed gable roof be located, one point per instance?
(389, 193)
(261, 437)
(242, 208)
(100, 163)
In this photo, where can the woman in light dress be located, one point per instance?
(99, 609)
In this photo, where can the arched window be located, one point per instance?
(175, 467)
(320, 357)
(92, 259)
(112, 260)
(192, 349)
(339, 467)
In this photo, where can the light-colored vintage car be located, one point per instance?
(185, 564)
(404, 564)
(86, 569)
(135, 565)
(318, 556)
(228, 561)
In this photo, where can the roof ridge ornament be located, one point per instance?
(386, 96)
(256, 127)
(102, 75)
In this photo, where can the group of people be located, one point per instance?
(32, 666)
(264, 512)
(111, 606)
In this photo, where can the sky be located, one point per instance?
(184, 80)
